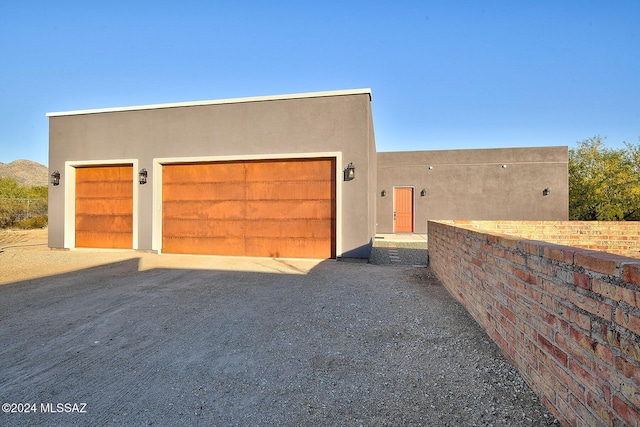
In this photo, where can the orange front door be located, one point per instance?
(403, 210)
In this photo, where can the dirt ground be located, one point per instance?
(94, 337)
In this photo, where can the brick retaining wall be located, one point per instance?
(567, 318)
(618, 237)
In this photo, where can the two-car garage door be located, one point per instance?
(274, 208)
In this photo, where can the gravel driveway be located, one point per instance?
(143, 339)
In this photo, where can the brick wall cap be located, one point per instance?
(601, 262)
(631, 272)
(532, 247)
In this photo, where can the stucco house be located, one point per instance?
(278, 176)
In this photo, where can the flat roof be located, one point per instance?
(217, 102)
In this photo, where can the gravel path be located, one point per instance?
(201, 341)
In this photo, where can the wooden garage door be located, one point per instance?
(275, 208)
(104, 207)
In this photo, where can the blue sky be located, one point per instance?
(444, 74)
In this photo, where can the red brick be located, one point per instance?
(559, 253)
(507, 313)
(492, 238)
(630, 346)
(599, 262)
(532, 247)
(587, 417)
(586, 303)
(605, 372)
(631, 273)
(525, 276)
(550, 348)
(579, 319)
(630, 392)
(555, 288)
(625, 411)
(582, 280)
(545, 382)
(605, 289)
(567, 412)
(575, 351)
(591, 345)
(628, 321)
(601, 409)
(589, 381)
(508, 241)
(628, 368)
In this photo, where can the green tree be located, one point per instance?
(604, 183)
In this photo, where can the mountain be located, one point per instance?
(25, 172)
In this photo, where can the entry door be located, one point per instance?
(403, 210)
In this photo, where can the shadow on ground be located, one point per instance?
(343, 344)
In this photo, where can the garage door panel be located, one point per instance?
(207, 191)
(97, 239)
(204, 173)
(296, 170)
(315, 228)
(106, 173)
(286, 248)
(194, 228)
(104, 206)
(289, 190)
(278, 208)
(204, 210)
(97, 190)
(205, 245)
(105, 223)
(113, 206)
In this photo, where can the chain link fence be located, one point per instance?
(23, 213)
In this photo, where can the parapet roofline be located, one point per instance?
(217, 102)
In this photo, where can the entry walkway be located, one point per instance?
(400, 249)
(400, 240)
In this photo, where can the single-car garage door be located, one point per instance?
(272, 208)
(104, 206)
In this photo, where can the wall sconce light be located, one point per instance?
(546, 192)
(504, 166)
(142, 176)
(349, 172)
(383, 193)
(423, 192)
(430, 167)
(55, 178)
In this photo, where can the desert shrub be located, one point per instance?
(39, 221)
(22, 205)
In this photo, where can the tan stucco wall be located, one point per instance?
(319, 124)
(472, 184)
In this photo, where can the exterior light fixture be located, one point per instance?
(383, 193)
(55, 178)
(423, 192)
(430, 167)
(349, 172)
(504, 166)
(546, 192)
(142, 176)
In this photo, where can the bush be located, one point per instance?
(21, 206)
(39, 221)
